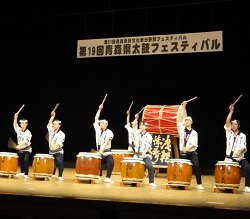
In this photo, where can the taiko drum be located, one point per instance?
(163, 119)
(132, 169)
(227, 174)
(118, 156)
(88, 165)
(43, 165)
(8, 162)
(179, 172)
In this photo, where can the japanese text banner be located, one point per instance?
(151, 45)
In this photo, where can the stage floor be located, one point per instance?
(30, 198)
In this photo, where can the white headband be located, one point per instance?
(23, 120)
(57, 122)
(104, 121)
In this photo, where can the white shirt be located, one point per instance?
(235, 143)
(23, 136)
(192, 139)
(58, 137)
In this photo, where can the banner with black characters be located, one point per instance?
(151, 45)
(161, 150)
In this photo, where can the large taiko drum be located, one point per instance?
(227, 174)
(88, 165)
(132, 170)
(118, 156)
(43, 165)
(179, 172)
(163, 119)
(8, 162)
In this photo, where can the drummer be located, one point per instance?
(56, 142)
(143, 144)
(188, 144)
(104, 137)
(130, 128)
(24, 145)
(236, 146)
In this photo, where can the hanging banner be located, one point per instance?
(151, 45)
(161, 150)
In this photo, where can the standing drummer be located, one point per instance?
(130, 128)
(143, 144)
(188, 144)
(236, 146)
(104, 137)
(24, 145)
(56, 142)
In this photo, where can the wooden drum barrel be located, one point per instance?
(132, 170)
(88, 165)
(227, 174)
(8, 162)
(179, 172)
(43, 165)
(118, 156)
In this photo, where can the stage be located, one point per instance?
(38, 198)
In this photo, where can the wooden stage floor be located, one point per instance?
(29, 198)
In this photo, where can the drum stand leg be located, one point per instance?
(89, 181)
(231, 190)
(179, 187)
(128, 183)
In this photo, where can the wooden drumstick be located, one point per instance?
(130, 106)
(56, 106)
(191, 99)
(20, 109)
(141, 110)
(237, 100)
(104, 98)
(11, 143)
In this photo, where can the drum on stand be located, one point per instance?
(179, 172)
(88, 165)
(118, 156)
(227, 174)
(43, 165)
(8, 163)
(163, 119)
(132, 170)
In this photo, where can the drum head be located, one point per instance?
(88, 154)
(44, 155)
(179, 161)
(227, 163)
(10, 154)
(115, 151)
(131, 159)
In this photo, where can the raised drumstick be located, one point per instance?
(56, 106)
(191, 99)
(104, 98)
(141, 110)
(237, 100)
(130, 105)
(20, 109)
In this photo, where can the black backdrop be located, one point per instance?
(39, 68)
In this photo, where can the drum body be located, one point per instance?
(43, 165)
(179, 172)
(163, 119)
(8, 162)
(118, 156)
(132, 169)
(227, 174)
(88, 165)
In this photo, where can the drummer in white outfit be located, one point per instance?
(24, 145)
(104, 137)
(131, 128)
(237, 146)
(188, 144)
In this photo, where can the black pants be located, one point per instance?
(24, 159)
(193, 157)
(109, 159)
